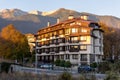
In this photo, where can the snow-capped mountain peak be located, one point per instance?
(48, 13)
(9, 13)
(35, 12)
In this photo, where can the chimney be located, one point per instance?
(84, 17)
(48, 23)
(58, 20)
(70, 17)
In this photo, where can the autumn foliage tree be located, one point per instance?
(111, 41)
(14, 45)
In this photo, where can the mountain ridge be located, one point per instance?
(27, 22)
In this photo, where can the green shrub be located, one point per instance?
(62, 63)
(115, 66)
(57, 62)
(68, 64)
(103, 67)
(112, 76)
(65, 76)
(93, 65)
(5, 67)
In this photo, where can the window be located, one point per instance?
(55, 41)
(55, 48)
(62, 48)
(83, 30)
(67, 31)
(50, 34)
(74, 39)
(62, 56)
(83, 38)
(51, 49)
(46, 50)
(92, 58)
(38, 44)
(42, 36)
(47, 42)
(74, 56)
(55, 33)
(96, 27)
(61, 36)
(67, 56)
(100, 49)
(100, 41)
(74, 30)
(73, 23)
(39, 37)
(42, 43)
(43, 50)
(74, 48)
(66, 48)
(83, 47)
(83, 57)
(38, 50)
(61, 40)
(46, 35)
(78, 23)
(60, 31)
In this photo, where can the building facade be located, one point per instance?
(31, 41)
(77, 40)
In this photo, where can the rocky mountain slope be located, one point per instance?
(111, 21)
(31, 22)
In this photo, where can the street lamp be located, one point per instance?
(36, 62)
(113, 52)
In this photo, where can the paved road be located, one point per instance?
(47, 71)
(57, 72)
(54, 72)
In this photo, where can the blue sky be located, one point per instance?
(99, 7)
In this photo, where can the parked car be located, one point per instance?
(38, 64)
(46, 66)
(84, 69)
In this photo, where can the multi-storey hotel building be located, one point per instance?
(78, 40)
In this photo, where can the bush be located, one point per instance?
(62, 63)
(68, 64)
(93, 65)
(57, 62)
(112, 76)
(27, 76)
(5, 67)
(103, 67)
(65, 76)
(115, 66)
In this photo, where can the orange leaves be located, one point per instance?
(10, 33)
